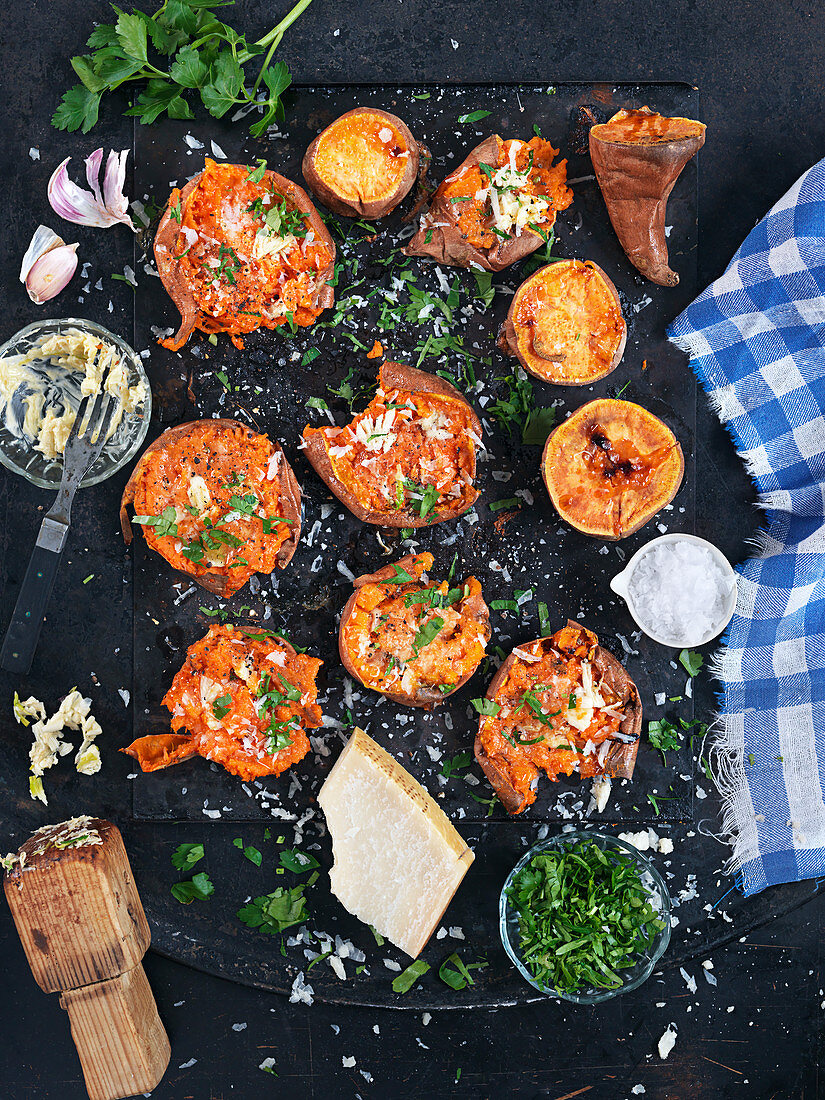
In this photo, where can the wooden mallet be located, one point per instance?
(82, 926)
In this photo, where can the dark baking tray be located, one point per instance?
(508, 551)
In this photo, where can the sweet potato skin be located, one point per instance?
(176, 286)
(425, 697)
(446, 244)
(394, 376)
(378, 208)
(509, 343)
(636, 181)
(621, 758)
(290, 497)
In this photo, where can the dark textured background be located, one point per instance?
(758, 1034)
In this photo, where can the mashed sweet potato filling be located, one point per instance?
(248, 256)
(552, 713)
(210, 502)
(244, 700)
(409, 632)
(521, 192)
(406, 451)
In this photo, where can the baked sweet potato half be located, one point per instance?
(637, 157)
(565, 324)
(496, 208)
(243, 699)
(558, 705)
(413, 639)
(363, 164)
(240, 249)
(610, 467)
(407, 460)
(217, 500)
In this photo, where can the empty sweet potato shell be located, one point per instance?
(610, 467)
(637, 157)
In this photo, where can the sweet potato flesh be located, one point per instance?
(361, 157)
(245, 703)
(610, 467)
(416, 635)
(226, 515)
(405, 452)
(568, 323)
(242, 252)
(551, 713)
(645, 127)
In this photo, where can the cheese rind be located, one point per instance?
(398, 860)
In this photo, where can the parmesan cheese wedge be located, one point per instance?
(398, 861)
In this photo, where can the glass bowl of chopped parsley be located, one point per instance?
(584, 916)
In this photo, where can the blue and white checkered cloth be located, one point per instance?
(756, 339)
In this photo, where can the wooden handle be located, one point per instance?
(122, 1044)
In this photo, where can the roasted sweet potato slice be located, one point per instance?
(217, 500)
(497, 207)
(637, 157)
(363, 164)
(407, 460)
(239, 250)
(559, 704)
(244, 698)
(411, 638)
(565, 324)
(610, 467)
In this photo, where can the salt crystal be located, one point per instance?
(679, 592)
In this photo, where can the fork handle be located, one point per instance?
(23, 632)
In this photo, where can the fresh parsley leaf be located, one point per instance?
(691, 661)
(404, 981)
(185, 856)
(275, 912)
(456, 974)
(427, 634)
(537, 426)
(198, 888)
(510, 502)
(221, 706)
(545, 626)
(165, 524)
(473, 116)
(297, 861)
(484, 286)
(664, 736)
(486, 707)
(454, 764)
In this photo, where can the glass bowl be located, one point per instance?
(17, 453)
(635, 975)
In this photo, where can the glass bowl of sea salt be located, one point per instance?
(680, 590)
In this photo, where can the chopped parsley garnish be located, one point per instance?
(185, 856)
(456, 974)
(584, 916)
(297, 861)
(198, 888)
(473, 116)
(165, 524)
(252, 854)
(427, 634)
(221, 706)
(275, 912)
(407, 978)
(486, 707)
(664, 736)
(257, 174)
(691, 661)
(545, 626)
(454, 764)
(510, 502)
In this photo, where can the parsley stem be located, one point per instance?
(277, 32)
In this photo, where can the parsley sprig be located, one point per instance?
(183, 48)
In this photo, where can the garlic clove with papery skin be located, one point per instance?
(90, 207)
(51, 272)
(42, 240)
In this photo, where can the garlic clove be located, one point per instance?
(113, 180)
(43, 240)
(90, 207)
(51, 273)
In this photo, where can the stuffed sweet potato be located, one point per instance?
(240, 249)
(411, 638)
(496, 208)
(610, 467)
(565, 324)
(363, 164)
(243, 699)
(217, 500)
(560, 704)
(637, 157)
(407, 460)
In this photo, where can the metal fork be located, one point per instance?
(82, 449)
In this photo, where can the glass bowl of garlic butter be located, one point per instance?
(46, 369)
